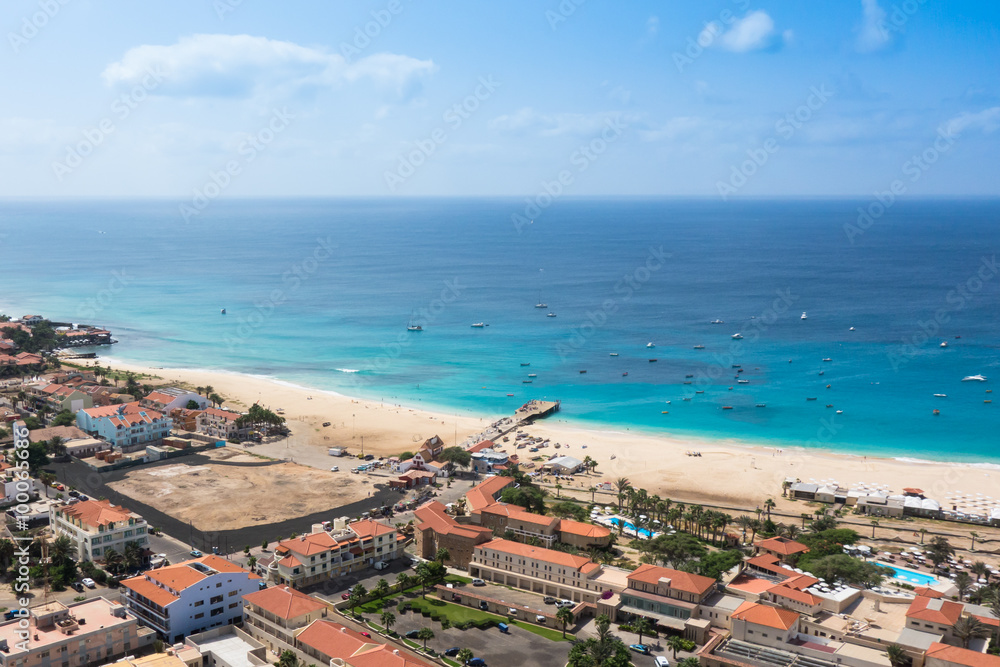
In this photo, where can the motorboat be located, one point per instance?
(936, 411)
(223, 311)
(737, 336)
(727, 407)
(551, 315)
(582, 372)
(811, 398)
(742, 381)
(851, 329)
(804, 316)
(762, 405)
(974, 378)
(944, 343)
(525, 363)
(689, 375)
(650, 344)
(699, 347)
(840, 412)
(478, 325)
(625, 374)
(652, 361)
(414, 327)
(700, 391)
(717, 322)
(614, 354)
(532, 375)
(827, 359)
(940, 395)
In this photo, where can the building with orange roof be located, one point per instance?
(87, 634)
(221, 423)
(544, 571)
(584, 535)
(61, 397)
(525, 525)
(165, 399)
(324, 555)
(190, 597)
(486, 493)
(935, 615)
(765, 621)
(436, 529)
(670, 598)
(272, 615)
(784, 549)
(942, 655)
(94, 526)
(329, 643)
(127, 427)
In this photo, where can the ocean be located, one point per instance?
(319, 292)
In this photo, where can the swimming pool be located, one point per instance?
(628, 524)
(911, 576)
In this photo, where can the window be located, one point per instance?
(217, 611)
(232, 593)
(234, 605)
(199, 603)
(200, 615)
(215, 599)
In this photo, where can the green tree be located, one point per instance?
(644, 626)
(216, 399)
(442, 555)
(425, 634)
(403, 581)
(355, 596)
(381, 589)
(113, 560)
(388, 620)
(61, 550)
(769, 505)
(63, 418)
(677, 643)
(897, 655)
(565, 616)
(674, 550)
(963, 582)
(939, 550)
(455, 456)
(192, 405)
(690, 661)
(465, 655)
(37, 457)
(970, 627)
(287, 659)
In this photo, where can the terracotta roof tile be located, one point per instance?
(284, 602)
(766, 615)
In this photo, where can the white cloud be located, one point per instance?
(247, 66)
(872, 33)
(529, 121)
(987, 120)
(753, 32)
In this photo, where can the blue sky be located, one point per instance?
(707, 98)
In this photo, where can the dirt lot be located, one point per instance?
(237, 490)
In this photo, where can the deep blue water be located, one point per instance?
(618, 273)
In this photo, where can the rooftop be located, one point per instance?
(482, 495)
(935, 610)
(675, 579)
(962, 656)
(783, 546)
(96, 513)
(766, 615)
(581, 563)
(97, 612)
(284, 602)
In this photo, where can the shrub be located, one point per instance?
(445, 623)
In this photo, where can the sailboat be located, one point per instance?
(541, 304)
(413, 327)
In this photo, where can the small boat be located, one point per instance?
(821, 372)
(762, 405)
(936, 411)
(742, 381)
(687, 399)
(804, 316)
(974, 378)
(625, 374)
(652, 361)
(510, 394)
(717, 322)
(668, 402)
(957, 337)
(740, 370)
(414, 327)
(582, 372)
(840, 412)
(223, 311)
(532, 375)
(811, 398)
(828, 359)
(737, 366)
(525, 364)
(989, 391)
(525, 381)
(727, 407)
(940, 395)
(551, 315)
(827, 386)
(851, 329)
(699, 347)
(541, 305)
(944, 343)
(687, 381)
(737, 336)
(829, 405)
(478, 325)
(664, 412)
(689, 376)
(700, 391)
(650, 344)
(614, 354)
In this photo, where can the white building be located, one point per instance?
(165, 399)
(128, 427)
(94, 526)
(190, 597)
(221, 423)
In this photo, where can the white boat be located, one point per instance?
(804, 317)
(650, 345)
(478, 325)
(827, 359)
(699, 347)
(737, 336)
(223, 311)
(743, 381)
(614, 354)
(717, 322)
(940, 395)
(551, 315)
(414, 327)
(944, 343)
(840, 412)
(851, 329)
(974, 378)
(532, 375)
(541, 305)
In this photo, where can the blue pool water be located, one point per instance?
(912, 577)
(628, 524)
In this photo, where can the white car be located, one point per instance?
(661, 661)
(335, 469)
(478, 582)
(565, 603)
(88, 582)
(511, 611)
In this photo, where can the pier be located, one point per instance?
(533, 410)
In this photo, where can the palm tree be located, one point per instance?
(874, 526)
(355, 595)
(676, 643)
(564, 616)
(923, 531)
(744, 521)
(112, 560)
(974, 535)
(980, 569)
(442, 555)
(963, 582)
(939, 550)
(215, 399)
(805, 517)
(690, 661)
(425, 634)
(465, 655)
(622, 484)
(558, 489)
(644, 626)
(132, 555)
(61, 550)
(897, 655)
(388, 620)
(769, 505)
(970, 627)
(425, 578)
(252, 563)
(593, 490)
(403, 581)
(381, 589)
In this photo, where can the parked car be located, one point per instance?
(511, 611)
(478, 582)
(77, 586)
(196, 554)
(412, 634)
(539, 619)
(452, 652)
(549, 600)
(661, 661)
(484, 605)
(365, 634)
(88, 582)
(261, 585)
(381, 565)
(639, 648)
(565, 603)
(335, 469)
(476, 662)
(345, 596)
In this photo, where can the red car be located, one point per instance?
(365, 634)
(345, 596)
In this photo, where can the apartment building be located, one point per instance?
(82, 634)
(128, 427)
(668, 597)
(328, 643)
(544, 571)
(165, 399)
(784, 549)
(436, 529)
(95, 526)
(221, 423)
(190, 597)
(326, 555)
(272, 616)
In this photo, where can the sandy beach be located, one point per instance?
(730, 472)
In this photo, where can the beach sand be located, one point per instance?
(727, 472)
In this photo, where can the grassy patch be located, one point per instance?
(459, 615)
(449, 661)
(542, 631)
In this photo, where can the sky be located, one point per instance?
(715, 98)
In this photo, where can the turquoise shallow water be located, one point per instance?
(319, 293)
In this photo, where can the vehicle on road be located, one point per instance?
(381, 565)
(548, 599)
(412, 634)
(452, 652)
(639, 648)
(476, 662)
(511, 611)
(345, 596)
(661, 661)
(77, 586)
(565, 603)
(503, 627)
(365, 634)
(88, 582)
(478, 582)
(196, 554)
